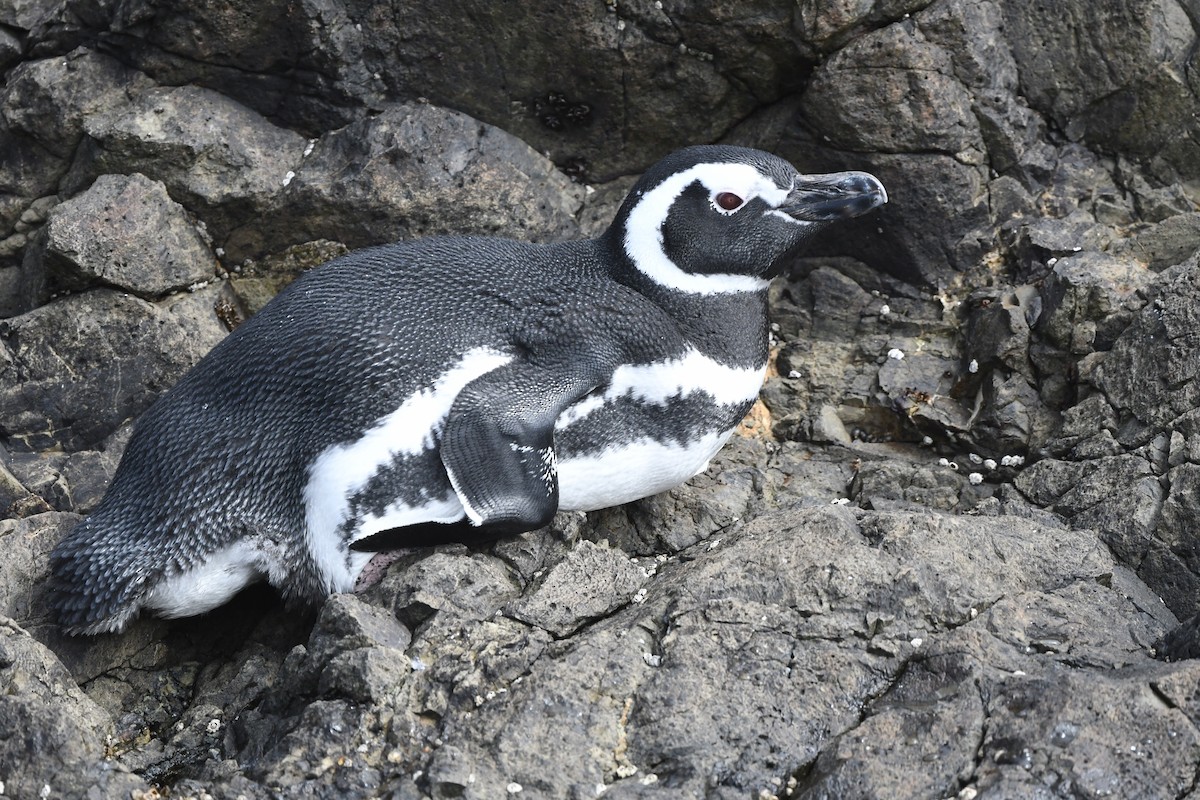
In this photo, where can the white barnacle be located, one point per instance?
(896, 353)
(975, 478)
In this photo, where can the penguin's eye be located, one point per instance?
(728, 201)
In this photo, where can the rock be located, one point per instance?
(125, 232)
(10, 49)
(783, 634)
(1090, 299)
(222, 161)
(29, 171)
(92, 361)
(256, 282)
(55, 740)
(67, 89)
(1144, 49)
(1151, 372)
(590, 583)
(23, 573)
(357, 186)
(1165, 244)
(310, 66)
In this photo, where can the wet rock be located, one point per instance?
(125, 232)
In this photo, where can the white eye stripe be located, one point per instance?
(742, 180)
(643, 229)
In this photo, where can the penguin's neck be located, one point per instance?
(731, 327)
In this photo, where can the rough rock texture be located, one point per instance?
(126, 232)
(946, 557)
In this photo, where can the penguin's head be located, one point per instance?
(719, 219)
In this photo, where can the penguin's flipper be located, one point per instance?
(498, 445)
(505, 476)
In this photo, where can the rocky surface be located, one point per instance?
(946, 558)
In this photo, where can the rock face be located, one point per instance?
(947, 557)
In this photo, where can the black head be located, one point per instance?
(718, 219)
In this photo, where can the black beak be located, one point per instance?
(838, 195)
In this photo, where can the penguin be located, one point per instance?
(452, 389)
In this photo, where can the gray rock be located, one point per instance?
(66, 89)
(1151, 372)
(125, 232)
(54, 746)
(416, 170)
(23, 14)
(1143, 47)
(312, 64)
(23, 572)
(92, 361)
(590, 583)
(221, 160)
(29, 172)
(1090, 299)
(1164, 244)
(10, 49)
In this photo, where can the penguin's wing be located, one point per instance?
(497, 446)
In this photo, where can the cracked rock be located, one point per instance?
(125, 232)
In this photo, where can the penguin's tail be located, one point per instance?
(97, 579)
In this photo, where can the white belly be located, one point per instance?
(630, 472)
(648, 464)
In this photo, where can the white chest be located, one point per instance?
(649, 461)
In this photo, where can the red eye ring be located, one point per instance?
(728, 201)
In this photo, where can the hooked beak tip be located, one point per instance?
(840, 195)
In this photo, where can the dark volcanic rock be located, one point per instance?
(220, 159)
(937, 561)
(125, 232)
(71, 372)
(415, 170)
(54, 740)
(1118, 80)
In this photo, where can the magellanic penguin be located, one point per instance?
(453, 388)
